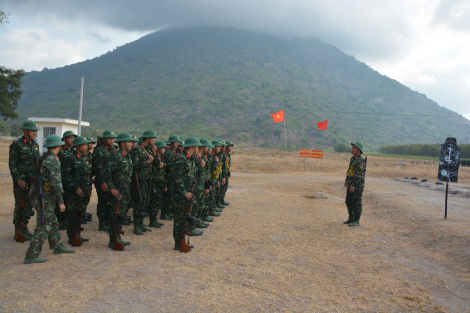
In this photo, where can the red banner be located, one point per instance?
(317, 154)
(305, 153)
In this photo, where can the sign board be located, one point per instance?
(317, 154)
(449, 161)
(305, 153)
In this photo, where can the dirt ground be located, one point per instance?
(279, 246)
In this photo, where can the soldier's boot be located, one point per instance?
(26, 232)
(154, 223)
(355, 223)
(137, 231)
(102, 226)
(32, 259)
(201, 225)
(144, 229)
(61, 249)
(62, 225)
(218, 210)
(126, 243)
(84, 239)
(145, 214)
(350, 220)
(111, 244)
(26, 238)
(208, 219)
(178, 245)
(125, 222)
(193, 231)
(213, 213)
(220, 205)
(166, 217)
(224, 202)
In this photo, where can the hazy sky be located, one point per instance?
(424, 44)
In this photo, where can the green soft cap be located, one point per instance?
(68, 134)
(108, 134)
(149, 134)
(358, 144)
(53, 141)
(192, 142)
(80, 140)
(30, 125)
(124, 137)
(173, 138)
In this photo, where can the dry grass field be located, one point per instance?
(280, 246)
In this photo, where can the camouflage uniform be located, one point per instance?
(222, 158)
(216, 167)
(158, 185)
(168, 158)
(144, 171)
(118, 173)
(184, 181)
(226, 173)
(76, 172)
(101, 156)
(22, 168)
(355, 177)
(89, 188)
(61, 216)
(53, 196)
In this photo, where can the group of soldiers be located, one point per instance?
(184, 180)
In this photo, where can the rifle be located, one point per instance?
(187, 218)
(22, 212)
(116, 217)
(136, 177)
(76, 241)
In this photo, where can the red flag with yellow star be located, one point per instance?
(278, 117)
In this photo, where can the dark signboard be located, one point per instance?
(449, 161)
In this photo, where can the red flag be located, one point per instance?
(322, 125)
(278, 117)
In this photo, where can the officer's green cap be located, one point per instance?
(216, 143)
(108, 134)
(30, 125)
(205, 142)
(229, 143)
(173, 138)
(149, 134)
(53, 141)
(124, 137)
(160, 144)
(192, 142)
(80, 140)
(68, 133)
(90, 140)
(358, 144)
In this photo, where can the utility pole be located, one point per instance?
(80, 111)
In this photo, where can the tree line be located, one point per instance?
(431, 150)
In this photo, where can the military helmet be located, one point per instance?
(149, 134)
(124, 137)
(173, 138)
(90, 139)
(140, 139)
(108, 134)
(30, 125)
(181, 142)
(359, 145)
(68, 134)
(205, 142)
(53, 141)
(216, 143)
(167, 142)
(192, 142)
(80, 140)
(229, 143)
(160, 144)
(134, 137)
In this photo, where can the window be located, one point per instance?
(47, 132)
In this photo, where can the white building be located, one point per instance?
(54, 126)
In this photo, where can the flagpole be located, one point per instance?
(321, 163)
(285, 141)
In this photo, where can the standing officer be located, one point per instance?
(228, 164)
(21, 166)
(65, 150)
(101, 155)
(216, 171)
(169, 158)
(158, 185)
(76, 171)
(49, 169)
(142, 165)
(354, 183)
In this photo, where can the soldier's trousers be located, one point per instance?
(156, 201)
(223, 191)
(50, 229)
(19, 193)
(354, 204)
(124, 207)
(212, 195)
(141, 207)
(102, 210)
(74, 219)
(178, 213)
(198, 207)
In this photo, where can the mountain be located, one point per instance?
(221, 82)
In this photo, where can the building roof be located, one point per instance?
(57, 120)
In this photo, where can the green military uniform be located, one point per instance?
(158, 187)
(21, 166)
(140, 163)
(169, 158)
(216, 171)
(184, 181)
(222, 159)
(89, 157)
(355, 177)
(118, 175)
(101, 155)
(49, 169)
(204, 215)
(76, 173)
(227, 175)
